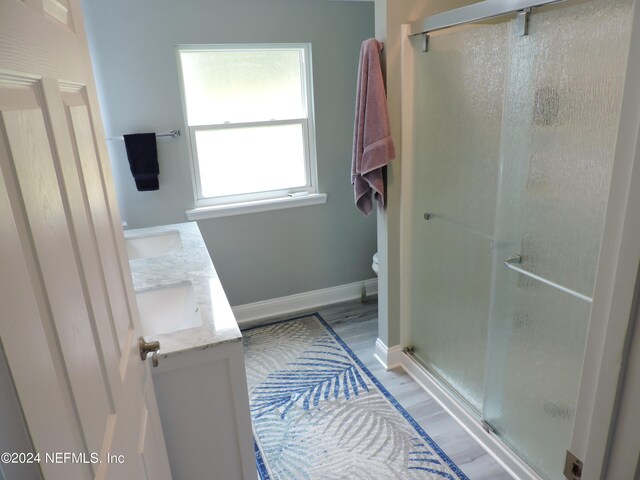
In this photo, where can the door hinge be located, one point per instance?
(572, 467)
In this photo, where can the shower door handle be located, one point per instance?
(514, 260)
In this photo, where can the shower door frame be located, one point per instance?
(614, 293)
(616, 280)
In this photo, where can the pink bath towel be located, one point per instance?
(372, 144)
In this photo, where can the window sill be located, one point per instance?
(229, 209)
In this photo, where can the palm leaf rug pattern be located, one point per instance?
(319, 414)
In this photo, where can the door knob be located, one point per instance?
(149, 347)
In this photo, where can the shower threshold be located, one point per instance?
(467, 416)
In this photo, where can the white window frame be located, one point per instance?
(208, 207)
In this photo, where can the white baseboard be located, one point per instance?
(251, 312)
(388, 357)
(513, 464)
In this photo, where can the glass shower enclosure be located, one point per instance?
(514, 141)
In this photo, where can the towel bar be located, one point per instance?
(172, 134)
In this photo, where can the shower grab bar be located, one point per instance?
(517, 259)
(474, 13)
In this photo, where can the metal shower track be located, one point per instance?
(476, 12)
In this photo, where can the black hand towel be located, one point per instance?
(143, 160)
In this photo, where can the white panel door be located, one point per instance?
(69, 321)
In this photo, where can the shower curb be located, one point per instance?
(469, 421)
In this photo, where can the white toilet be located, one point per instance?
(374, 265)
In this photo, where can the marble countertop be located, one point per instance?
(192, 264)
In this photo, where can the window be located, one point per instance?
(250, 119)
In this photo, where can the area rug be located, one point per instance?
(318, 413)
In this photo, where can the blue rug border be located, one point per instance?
(262, 470)
(260, 465)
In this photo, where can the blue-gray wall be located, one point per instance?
(263, 255)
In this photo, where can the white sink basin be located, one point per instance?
(153, 245)
(168, 309)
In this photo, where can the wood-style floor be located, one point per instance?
(357, 325)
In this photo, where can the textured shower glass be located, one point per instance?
(562, 104)
(230, 85)
(514, 140)
(458, 92)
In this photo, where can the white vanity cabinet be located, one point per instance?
(200, 382)
(204, 409)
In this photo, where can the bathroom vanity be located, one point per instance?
(200, 381)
